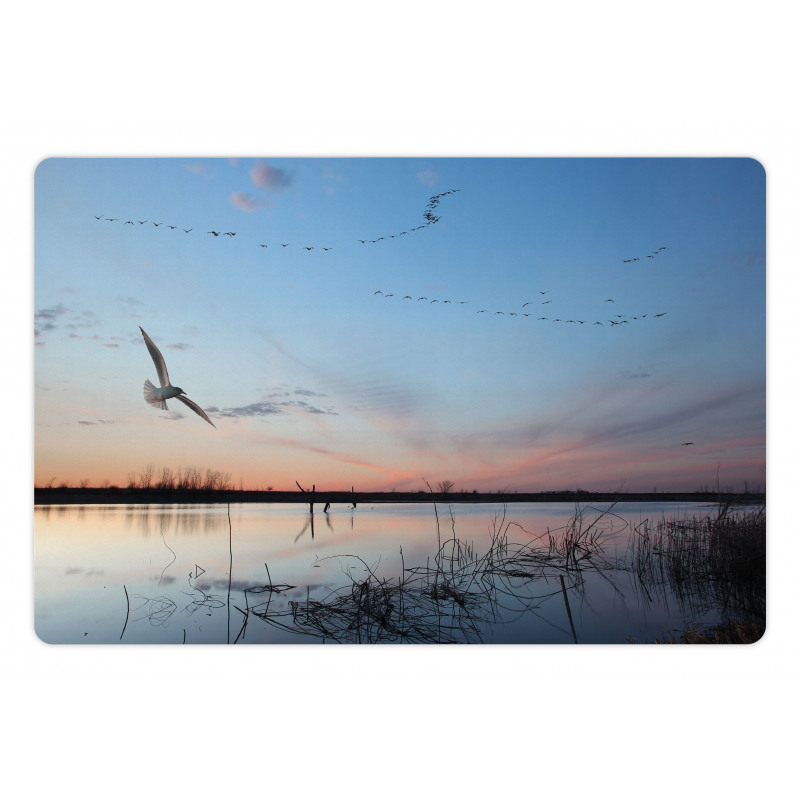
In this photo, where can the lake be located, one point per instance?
(527, 573)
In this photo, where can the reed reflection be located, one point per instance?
(402, 575)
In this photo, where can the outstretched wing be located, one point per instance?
(158, 359)
(196, 408)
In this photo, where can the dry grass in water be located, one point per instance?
(717, 562)
(452, 599)
(710, 565)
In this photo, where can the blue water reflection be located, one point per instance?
(252, 573)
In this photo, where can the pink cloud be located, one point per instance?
(245, 201)
(197, 169)
(262, 174)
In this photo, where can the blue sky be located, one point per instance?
(310, 374)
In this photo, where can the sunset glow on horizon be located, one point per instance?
(369, 326)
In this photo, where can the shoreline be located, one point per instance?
(118, 496)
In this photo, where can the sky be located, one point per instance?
(325, 366)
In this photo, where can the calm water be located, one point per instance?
(136, 574)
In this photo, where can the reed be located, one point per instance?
(731, 632)
(450, 600)
(712, 564)
(717, 561)
(583, 538)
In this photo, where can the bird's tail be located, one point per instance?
(151, 397)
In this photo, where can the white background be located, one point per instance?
(457, 79)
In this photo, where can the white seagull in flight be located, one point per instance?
(158, 396)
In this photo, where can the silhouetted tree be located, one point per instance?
(166, 480)
(146, 477)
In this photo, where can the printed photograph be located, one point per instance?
(399, 401)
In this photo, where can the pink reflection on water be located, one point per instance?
(167, 568)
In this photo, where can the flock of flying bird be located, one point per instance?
(429, 216)
(652, 255)
(157, 396)
(620, 319)
(189, 230)
(430, 219)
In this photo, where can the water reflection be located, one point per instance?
(715, 564)
(404, 574)
(181, 520)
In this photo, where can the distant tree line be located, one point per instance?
(185, 478)
(195, 479)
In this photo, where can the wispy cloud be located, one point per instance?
(580, 440)
(278, 401)
(178, 346)
(45, 318)
(245, 202)
(384, 401)
(83, 319)
(428, 177)
(691, 412)
(40, 329)
(96, 422)
(131, 307)
(267, 177)
(330, 174)
(331, 178)
(172, 415)
(383, 397)
(267, 408)
(636, 375)
(50, 314)
(746, 259)
(106, 341)
(262, 409)
(311, 409)
(196, 168)
(301, 445)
